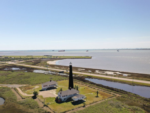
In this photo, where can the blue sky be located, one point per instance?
(74, 24)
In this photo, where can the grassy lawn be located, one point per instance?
(111, 106)
(11, 104)
(18, 77)
(88, 92)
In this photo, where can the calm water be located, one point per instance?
(2, 101)
(126, 60)
(139, 90)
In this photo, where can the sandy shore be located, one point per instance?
(52, 62)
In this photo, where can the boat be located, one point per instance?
(61, 50)
(87, 50)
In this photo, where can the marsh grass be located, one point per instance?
(11, 104)
(19, 77)
(111, 106)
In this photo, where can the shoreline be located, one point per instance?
(52, 62)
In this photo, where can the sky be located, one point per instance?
(74, 24)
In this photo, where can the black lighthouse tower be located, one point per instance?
(70, 77)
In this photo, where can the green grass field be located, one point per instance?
(88, 92)
(11, 104)
(18, 77)
(111, 106)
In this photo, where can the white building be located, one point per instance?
(70, 93)
(49, 84)
(109, 73)
(118, 73)
(80, 69)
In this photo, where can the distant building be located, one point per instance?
(99, 72)
(125, 75)
(81, 69)
(118, 73)
(109, 73)
(48, 55)
(49, 84)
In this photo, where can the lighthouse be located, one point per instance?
(70, 77)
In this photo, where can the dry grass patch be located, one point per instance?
(30, 89)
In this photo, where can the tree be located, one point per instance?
(97, 93)
(60, 89)
(77, 88)
(35, 93)
(84, 104)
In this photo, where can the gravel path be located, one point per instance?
(17, 95)
(22, 93)
(41, 105)
(12, 85)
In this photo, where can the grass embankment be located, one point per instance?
(117, 80)
(11, 104)
(49, 57)
(30, 57)
(19, 77)
(111, 106)
(90, 94)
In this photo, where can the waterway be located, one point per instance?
(2, 101)
(137, 61)
(143, 91)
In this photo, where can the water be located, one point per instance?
(2, 101)
(137, 61)
(26, 70)
(40, 71)
(139, 90)
(14, 68)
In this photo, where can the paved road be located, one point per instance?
(81, 73)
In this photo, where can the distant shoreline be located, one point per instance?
(52, 62)
(83, 49)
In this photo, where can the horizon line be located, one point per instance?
(72, 49)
